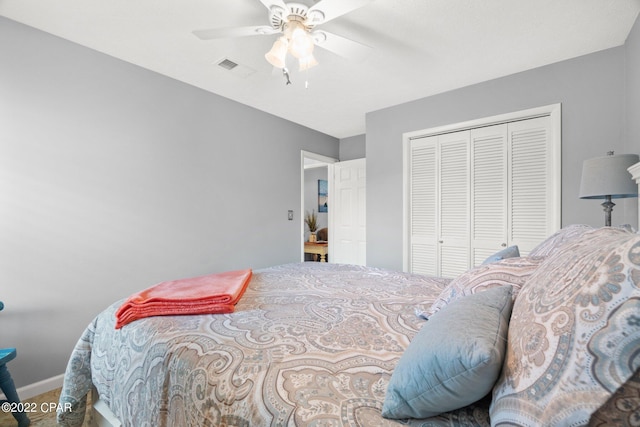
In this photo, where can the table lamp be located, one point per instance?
(607, 178)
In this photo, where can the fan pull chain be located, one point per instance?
(285, 73)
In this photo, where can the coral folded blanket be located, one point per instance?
(211, 294)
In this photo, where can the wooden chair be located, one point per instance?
(8, 387)
(323, 234)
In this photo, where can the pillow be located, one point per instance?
(574, 333)
(510, 252)
(560, 238)
(510, 271)
(455, 358)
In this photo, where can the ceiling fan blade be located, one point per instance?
(333, 8)
(221, 33)
(341, 46)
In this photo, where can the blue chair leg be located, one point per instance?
(9, 390)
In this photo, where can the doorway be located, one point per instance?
(314, 168)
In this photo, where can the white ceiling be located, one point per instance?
(420, 47)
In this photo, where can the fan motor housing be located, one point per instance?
(294, 12)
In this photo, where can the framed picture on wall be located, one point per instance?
(323, 191)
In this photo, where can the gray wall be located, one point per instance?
(353, 148)
(113, 178)
(632, 95)
(591, 90)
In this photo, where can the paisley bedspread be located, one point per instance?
(310, 344)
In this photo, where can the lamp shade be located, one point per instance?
(278, 53)
(307, 62)
(608, 176)
(300, 41)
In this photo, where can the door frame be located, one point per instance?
(317, 160)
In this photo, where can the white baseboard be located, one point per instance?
(32, 390)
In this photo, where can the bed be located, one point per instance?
(551, 338)
(308, 344)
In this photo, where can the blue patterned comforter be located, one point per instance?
(309, 344)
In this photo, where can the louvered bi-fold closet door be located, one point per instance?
(423, 194)
(532, 181)
(439, 204)
(489, 191)
(454, 203)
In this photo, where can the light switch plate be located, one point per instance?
(290, 214)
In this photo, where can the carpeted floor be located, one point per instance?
(45, 415)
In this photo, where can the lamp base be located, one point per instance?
(608, 207)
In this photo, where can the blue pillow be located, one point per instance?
(510, 252)
(454, 360)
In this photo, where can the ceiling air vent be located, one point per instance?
(227, 64)
(235, 68)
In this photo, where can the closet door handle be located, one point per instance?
(504, 245)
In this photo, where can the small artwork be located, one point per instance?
(323, 191)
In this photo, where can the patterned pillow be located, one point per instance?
(509, 271)
(560, 238)
(574, 333)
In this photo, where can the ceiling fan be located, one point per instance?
(296, 23)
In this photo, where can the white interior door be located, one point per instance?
(423, 226)
(347, 212)
(489, 191)
(535, 178)
(453, 203)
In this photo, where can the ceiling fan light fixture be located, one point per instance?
(307, 62)
(296, 40)
(301, 43)
(278, 53)
(302, 46)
